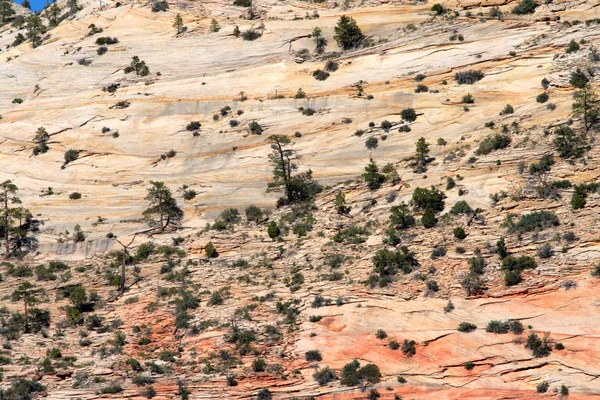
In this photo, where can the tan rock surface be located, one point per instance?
(195, 74)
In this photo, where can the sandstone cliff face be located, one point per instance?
(193, 76)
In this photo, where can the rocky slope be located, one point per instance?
(301, 291)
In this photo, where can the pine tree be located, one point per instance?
(568, 143)
(297, 187)
(41, 138)
(578, 79)
(281, 160)
(53, 14)
(347, 33)
(6, 10)
(501, 248)
(178, 23)
(8, 191)
(422, 154)
(163, 209)
(27, 293)
(125, 259)
(400, 217)
(340, 203)
(372, 176)
(214, 26)
(320, 41)
(35, 28)
(422, 150)
(587, 107)
(73, 6)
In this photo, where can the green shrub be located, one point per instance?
(459, 232)
(578, 201)
(210, 250)
(331, 66)
(313, 355)
(255, 128)
(544, 251)
(438, 9)
(101, 41)
(476, 265)
(193, 126)
(461, 207)
(352, 374)
(160, 5)
(141, 380)
(468, 99)
(503, 327)
(408, 114)
(320, 75)
(512, 278)
(542, 97)
(371, 143)
(433, 286)
(259, 365)
(380, 334)
(254, 214)
(421, 89)
(473, 284)
(466, 327)
(542, 387)
(111, 389)
(493, 142)
(334, 260)
(525, 7)
(540, 347)
(189, 194)
(562, 184)
(573, 47)
(21, 389)
(230, 215)
(144, 341)
(324, 375)
(537, 220)
(518, 263)
(428, 199)
(353, 234)
(508, 109)
(264, 394)
(71, 155)
(438, 252)
(468, 77)
(388, 263)
(428, 219)
(139, 67)
(273, 230)
(408, 348)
